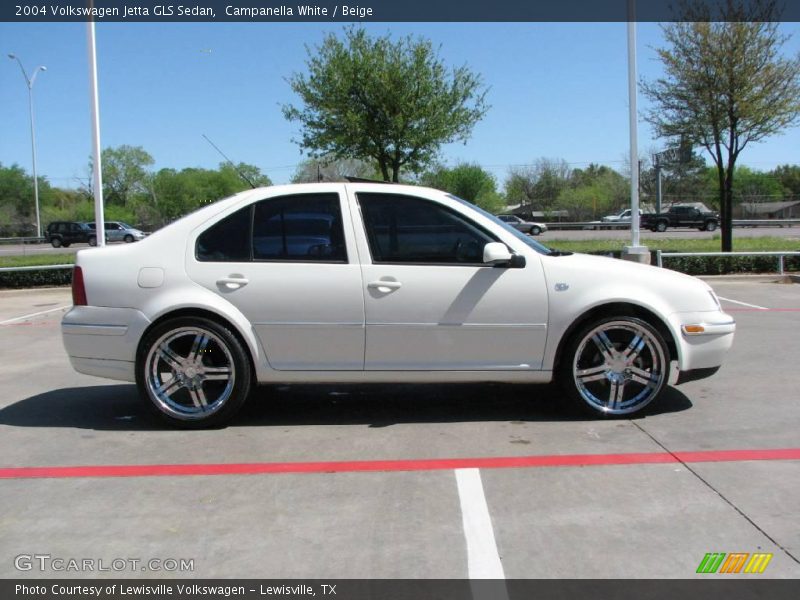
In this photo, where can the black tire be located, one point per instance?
(93, 241)
(200, 394)
(65, 244)
(56, 242)
(128, 239)
(661, 226)
(711, 225)
(536, 230)
(589, 375)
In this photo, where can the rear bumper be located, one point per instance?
(103, 341)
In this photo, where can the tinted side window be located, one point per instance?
(228, 240)
(405, 229)
(304, 227)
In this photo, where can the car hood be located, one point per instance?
(627, 280)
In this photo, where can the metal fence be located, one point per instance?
(736, 223)
(780, 255)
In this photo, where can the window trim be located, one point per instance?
(252, 208)
(446, 208)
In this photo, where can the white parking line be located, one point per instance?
(36, 314)
(743, 303)
(483, 558)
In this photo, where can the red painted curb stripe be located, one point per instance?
(568, 460)
(727, 309)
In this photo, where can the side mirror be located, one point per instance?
(497, 254)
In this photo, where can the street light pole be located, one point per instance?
(30, 81)
(635, 251)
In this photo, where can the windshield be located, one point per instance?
(540, 248)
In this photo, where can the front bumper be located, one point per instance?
(703, 340)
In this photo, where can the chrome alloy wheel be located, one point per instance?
(190, 373)
(619, 367)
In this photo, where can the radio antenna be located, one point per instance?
(241, 174)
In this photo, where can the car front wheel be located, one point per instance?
(56, 242)
(661, 226)
(128, 238)
(711, 226)
(536, 230)
(615, 366)
(194, 372)
(93, 241)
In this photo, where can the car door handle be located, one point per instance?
(384, 286)
(233, 282)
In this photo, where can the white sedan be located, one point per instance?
(365, 282)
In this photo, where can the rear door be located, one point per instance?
(288, 263)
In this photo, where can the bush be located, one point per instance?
(720, 265)
(37, 278)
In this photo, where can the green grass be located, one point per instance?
(36, 260)
(761, 244)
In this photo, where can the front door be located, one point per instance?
(431, 303)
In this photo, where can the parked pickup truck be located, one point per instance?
(681, 215)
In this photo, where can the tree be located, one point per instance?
(467, 181)
(125, 173)
(16, 200)
(789, 177)
(176, 193)
(725, 86)
(393, 102)
(327, 168)
(538, 185)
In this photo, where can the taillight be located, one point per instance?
(78, 288)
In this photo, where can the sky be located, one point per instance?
(556, 90)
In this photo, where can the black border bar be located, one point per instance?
(712, 587)
(271, 11)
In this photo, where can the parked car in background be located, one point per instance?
(522, 225)
(622, 217)
(694, 215)
(367, 282)
(117, 231)
(66, 233)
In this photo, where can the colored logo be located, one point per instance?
(735, 562)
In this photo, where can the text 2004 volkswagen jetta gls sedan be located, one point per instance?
(377, 283)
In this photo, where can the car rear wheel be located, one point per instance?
(128, 238)
(193, 372)
(93, 241)
(56, 242)
(615, 366)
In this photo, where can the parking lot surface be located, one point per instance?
(404, 481)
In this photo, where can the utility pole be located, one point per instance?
(658, 182)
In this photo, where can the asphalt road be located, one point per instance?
(414, 518)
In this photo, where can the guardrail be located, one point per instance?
(34, 268)
(779, 254)
(22, 240)
(736, 223)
